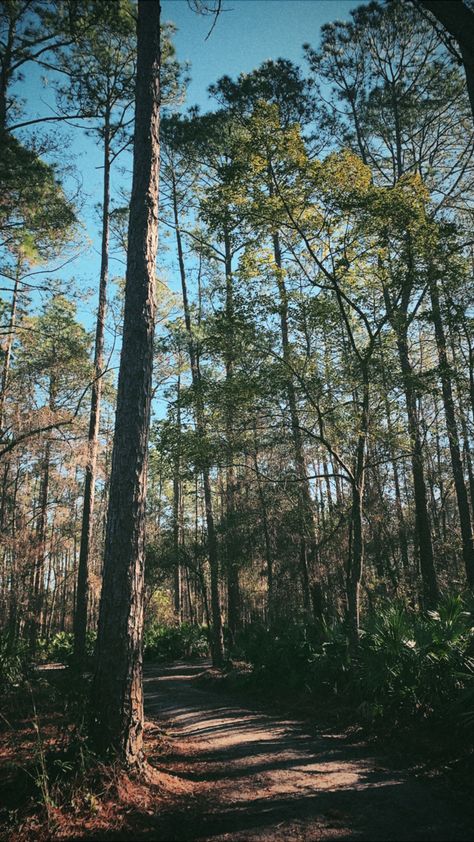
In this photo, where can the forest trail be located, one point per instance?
(256, 776)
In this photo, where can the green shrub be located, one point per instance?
(60, 647)
(14, 662)
(168, 643)
(409, 666)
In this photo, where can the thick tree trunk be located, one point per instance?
(458, 19)
(82, 590)
(117, 692)
(217, 638)
(6, 67)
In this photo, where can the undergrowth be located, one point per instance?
(170, 643)
(410, 667)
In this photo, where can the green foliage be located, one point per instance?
(14, 662)
(60, 647)
(409, 666)
(166, 643)
(35, 215)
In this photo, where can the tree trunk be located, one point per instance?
(8, 351)
(217, 638)
(402, 530)
(356, 554)
(422, 521)
(458, 19)
(266, 535)
(177, 530)
(307, 538)
(41, 529)
(233, 585)
(117, 692)
(82, 591)
(5, 67)
(453, 436)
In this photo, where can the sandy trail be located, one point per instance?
(254, 776)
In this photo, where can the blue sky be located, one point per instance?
(247, 33)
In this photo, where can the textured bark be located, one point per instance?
(458, 19)
(80, 616)
(117, 692)
(6, 71)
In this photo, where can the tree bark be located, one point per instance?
(82, 592)
(458, 19)
(8, 351)
(117, 692)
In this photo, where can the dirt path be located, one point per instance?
(257, 777)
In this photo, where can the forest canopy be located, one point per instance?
(309, 497)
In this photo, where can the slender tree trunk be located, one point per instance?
(307, 538)
(8, 351)
(402, 530)
(356, 555)
(399, 321)
(422, 521)
(41, 529)
(453, 436)
(82, 589)
(177, 574)
(233, 584)
(217, 638)
(266, 535)
(117, 692)
(14, 578)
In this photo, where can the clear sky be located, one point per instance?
(246, 33)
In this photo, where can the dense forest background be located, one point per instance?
(310, 479)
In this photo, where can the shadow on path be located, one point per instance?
(259, 777)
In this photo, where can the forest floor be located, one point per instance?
(225, 771)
